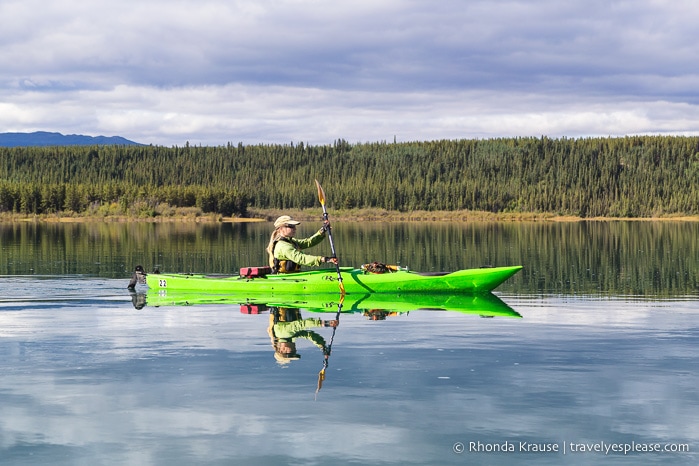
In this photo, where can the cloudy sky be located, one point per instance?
(210, 72)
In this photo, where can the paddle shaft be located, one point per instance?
(330, 237)
(332, 249)
(321, 197)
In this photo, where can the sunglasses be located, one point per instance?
(291, 226)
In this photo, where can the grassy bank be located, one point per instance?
(316, 214)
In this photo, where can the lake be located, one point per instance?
(598, 361)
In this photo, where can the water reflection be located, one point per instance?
(89, 379)
(286, 326)
(94, 375)
(486, 305)
(582, 258)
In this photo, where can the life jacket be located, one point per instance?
(285, 314)
(285, 265)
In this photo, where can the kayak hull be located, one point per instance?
(323, 281)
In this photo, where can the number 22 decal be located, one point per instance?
(162, 283)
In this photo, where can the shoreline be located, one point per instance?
(355, 215)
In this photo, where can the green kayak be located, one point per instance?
(371, 304)
(324, 281)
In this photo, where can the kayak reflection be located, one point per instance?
(376, 306)
(288, 327)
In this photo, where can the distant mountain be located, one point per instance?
(43, 138)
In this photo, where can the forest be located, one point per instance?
(626, 177)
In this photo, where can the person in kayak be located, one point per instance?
(284, 250)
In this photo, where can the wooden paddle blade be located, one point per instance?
(321, 194)
(321, 378)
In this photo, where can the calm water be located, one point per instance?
(605, 355)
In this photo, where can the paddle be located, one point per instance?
(321, 374)
(321, 197)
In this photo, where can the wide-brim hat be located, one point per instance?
(285, 220)
(286, 358)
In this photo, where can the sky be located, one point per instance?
(210, 72)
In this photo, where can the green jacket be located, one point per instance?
(289, 249)
(290, 331)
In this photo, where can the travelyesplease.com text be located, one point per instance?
(607, 448)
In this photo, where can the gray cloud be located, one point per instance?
(269, 71)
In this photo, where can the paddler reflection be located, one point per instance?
(138, 300)
(286, 326)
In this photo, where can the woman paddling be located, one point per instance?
(284, 250)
